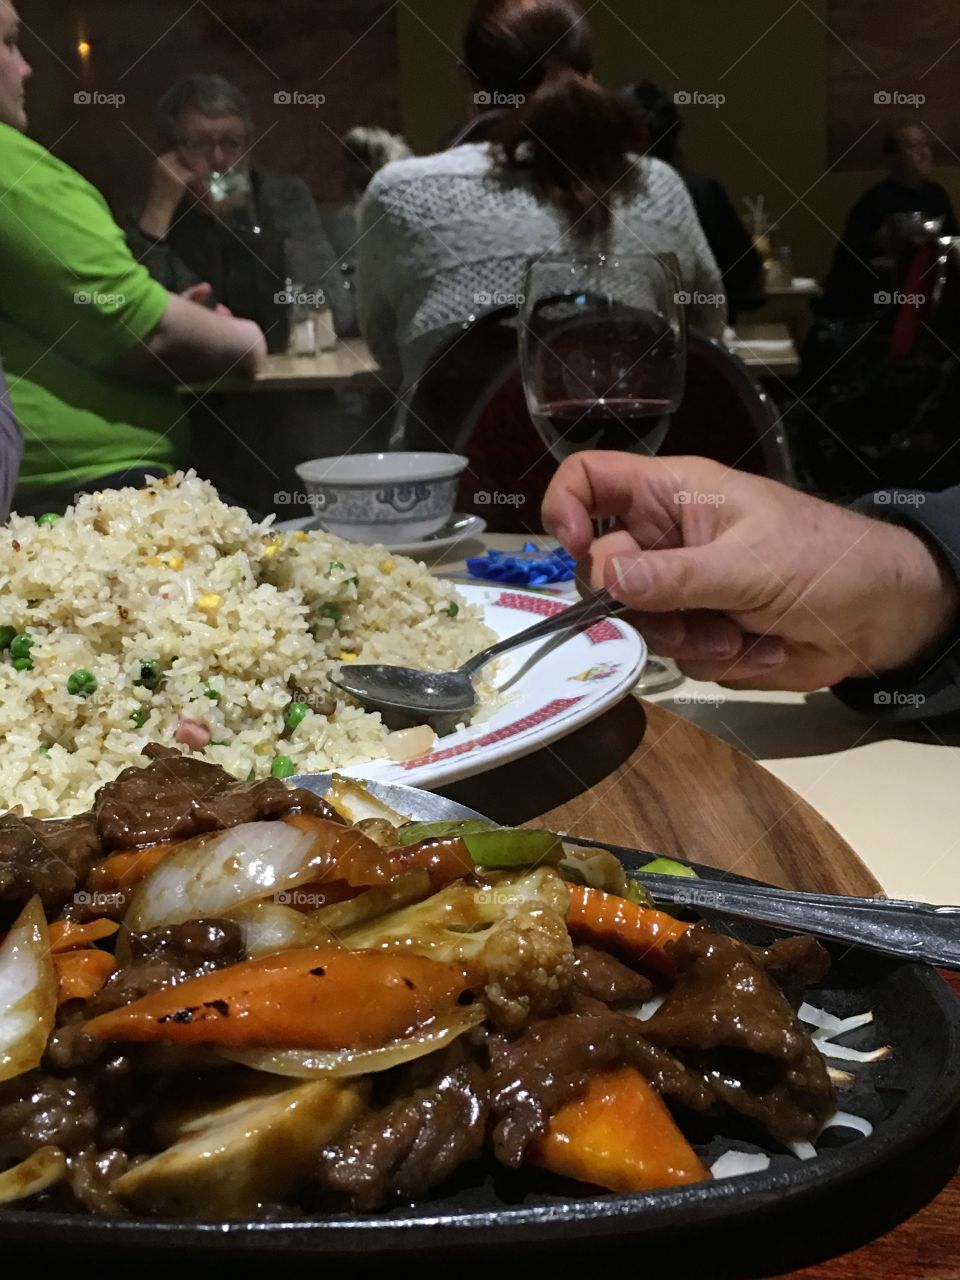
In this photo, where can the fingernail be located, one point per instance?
(631, 576)
(719, 639)
(768, 652)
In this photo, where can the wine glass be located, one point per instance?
(603, 360)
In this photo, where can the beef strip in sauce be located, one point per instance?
(50, 857)
(598, 974)
(532, 1076)
(176, 797)
(726, 1018)
(414, 1143)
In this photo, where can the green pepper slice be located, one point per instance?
(512, 847)
(417, 832)
(667, 867)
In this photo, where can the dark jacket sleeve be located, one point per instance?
(931, 687)
(158, 257)
(950, 227)
(739, 263)
(310, 254)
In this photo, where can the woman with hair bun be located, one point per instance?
(557, 163)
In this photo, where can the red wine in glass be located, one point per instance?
(631, 424)
(603, 360)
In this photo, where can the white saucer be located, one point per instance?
(459, 528)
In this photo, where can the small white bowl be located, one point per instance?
(383, 497)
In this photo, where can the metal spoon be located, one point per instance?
(418, 695)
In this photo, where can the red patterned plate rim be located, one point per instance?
(573, 684)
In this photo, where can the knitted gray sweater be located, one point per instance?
(445, 238)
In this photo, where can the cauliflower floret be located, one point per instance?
(529, 961)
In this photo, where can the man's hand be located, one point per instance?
(172, 179)
(201, 294)
(745, 581)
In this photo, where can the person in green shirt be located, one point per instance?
(93, 347)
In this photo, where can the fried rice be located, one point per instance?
(174, 611)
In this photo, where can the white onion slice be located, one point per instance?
(307, 1064)
(212, 875)
(412, 886)
(269, 927)
(41, 1169)
(803, 1150)
(830, 1050)
(28, 992)
(645, 1010)
(840, 1078)
(846, 1120)
(830, 1025)
(734, 1164)
(354, 802)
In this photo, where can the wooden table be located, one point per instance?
(349, 364)
(645, 777)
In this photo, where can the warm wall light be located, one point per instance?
(83, 48)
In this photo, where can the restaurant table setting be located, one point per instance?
(459, 840)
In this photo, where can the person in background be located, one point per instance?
(765, 587)
(246, 245)
(365, 150)
(862, 266)
(445, 237)
(740, 264)
(93, 347)
(11, 449)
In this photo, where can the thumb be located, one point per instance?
(713, 576)
(198, 292)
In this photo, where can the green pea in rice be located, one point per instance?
(241, 621)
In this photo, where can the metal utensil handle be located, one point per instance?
(912, 931)
(590, 610)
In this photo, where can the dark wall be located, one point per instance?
(345, 50)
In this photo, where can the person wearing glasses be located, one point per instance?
(92, 347)
(215, 223)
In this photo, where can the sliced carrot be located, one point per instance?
(122, 872)
(67, 935)
(305, 998)
(618, 1134)
(81, 974)
(636, 935)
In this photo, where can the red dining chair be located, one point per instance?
(471, 401)
(916, 301)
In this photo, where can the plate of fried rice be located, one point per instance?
(165, 615)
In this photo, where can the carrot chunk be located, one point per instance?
(618, 1134)
(637, 935)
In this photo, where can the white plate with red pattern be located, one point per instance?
(546, 690)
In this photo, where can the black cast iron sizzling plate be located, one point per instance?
(906, 1096)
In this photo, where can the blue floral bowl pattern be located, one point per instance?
(373, 500)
